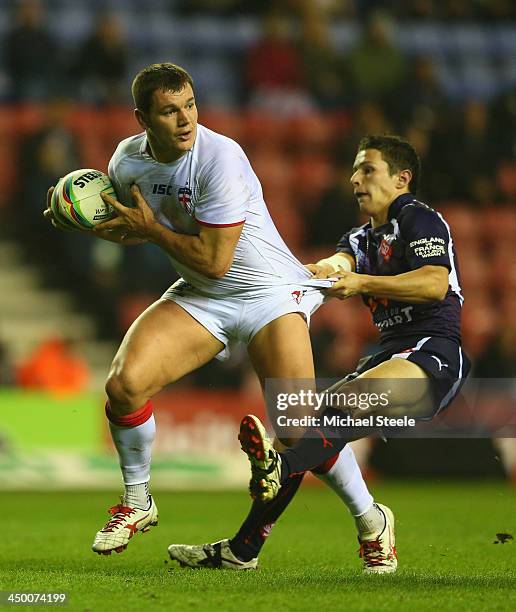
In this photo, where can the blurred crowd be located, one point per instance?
(310, 78)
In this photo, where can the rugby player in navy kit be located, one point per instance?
(403, 264)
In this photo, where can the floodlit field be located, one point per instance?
(445, 539)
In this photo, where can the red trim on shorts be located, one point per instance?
(325, 467)
(219, 224)
(131, 420)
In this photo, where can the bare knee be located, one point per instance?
(127, 389)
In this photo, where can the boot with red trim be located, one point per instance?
(123, 524)
(379, 554)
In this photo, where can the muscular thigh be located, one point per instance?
(282, 349)
(161, 346)
(281, 352)
(405, 384)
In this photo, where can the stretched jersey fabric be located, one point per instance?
(414, 236)
(214, 185)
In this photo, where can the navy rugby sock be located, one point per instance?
(318, 445)
(251, 536)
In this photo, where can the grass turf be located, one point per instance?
(445, 535)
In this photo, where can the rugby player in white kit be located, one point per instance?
(193, 192)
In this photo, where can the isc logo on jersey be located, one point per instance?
(184, 195)
(162, 189)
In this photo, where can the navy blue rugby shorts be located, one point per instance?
(442, 359)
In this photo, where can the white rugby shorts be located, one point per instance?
(233, 319)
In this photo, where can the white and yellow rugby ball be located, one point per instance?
(76, 201)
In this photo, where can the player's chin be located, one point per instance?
(182, 145)
(362, 204)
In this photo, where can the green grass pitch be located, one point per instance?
(445, 540)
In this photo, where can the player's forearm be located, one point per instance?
(192, 251)
(427, 284)
(119, 237)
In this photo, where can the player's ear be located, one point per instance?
(140, 117)
(404, 178)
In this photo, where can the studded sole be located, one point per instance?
(251, 439)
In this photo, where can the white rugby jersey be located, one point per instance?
(213, 184)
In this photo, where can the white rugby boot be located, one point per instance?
(123, 524)
(379, 555)
(212, 556)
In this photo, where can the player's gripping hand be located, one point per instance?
(110, 235)
(348, 285)
(136, 222)
(320, 270)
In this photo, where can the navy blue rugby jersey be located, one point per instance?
(415, 236)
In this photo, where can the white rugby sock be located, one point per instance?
(137, 496)
(345, 478)
(371, 523)
(134, 450)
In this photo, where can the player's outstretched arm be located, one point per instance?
(210, 252)
(426, 284)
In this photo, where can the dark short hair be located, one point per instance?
(158, 77)
(398, 153)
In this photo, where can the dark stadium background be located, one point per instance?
(297, 84)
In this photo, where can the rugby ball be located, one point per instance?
(76, 201)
